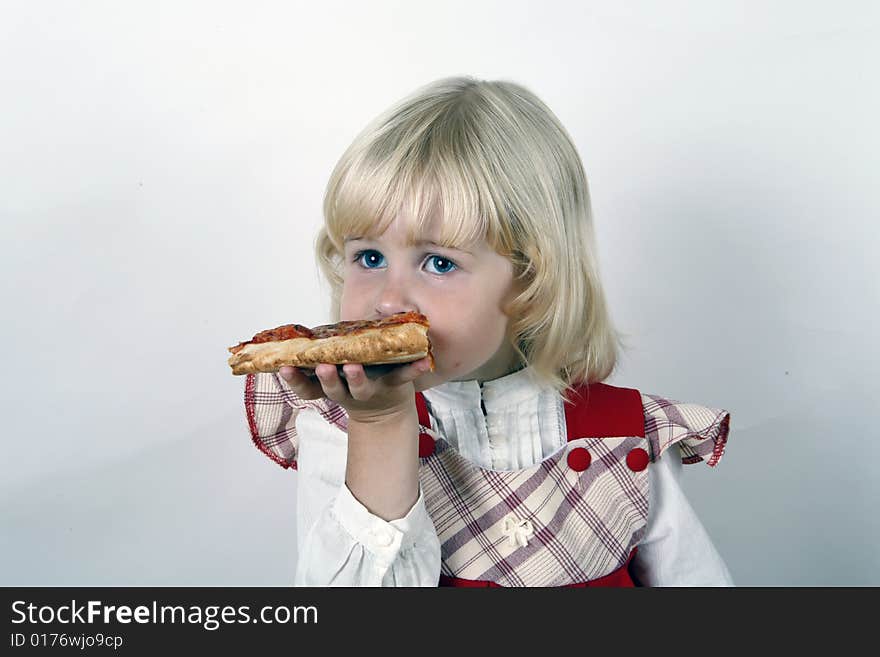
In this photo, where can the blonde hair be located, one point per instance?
(498, 165)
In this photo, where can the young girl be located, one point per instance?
(510, 463)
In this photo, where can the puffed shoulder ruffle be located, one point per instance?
(700, 432)
(272, 408)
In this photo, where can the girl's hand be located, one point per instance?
(368, 394)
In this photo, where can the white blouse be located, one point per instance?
(340, 543)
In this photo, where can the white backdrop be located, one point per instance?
(162, 168)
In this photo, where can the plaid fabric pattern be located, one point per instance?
(585, 523)
(700, 432)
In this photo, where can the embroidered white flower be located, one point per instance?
(518, 531)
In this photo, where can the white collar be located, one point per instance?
(507, 423)
(495, 395)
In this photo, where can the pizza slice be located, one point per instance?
(396, 339)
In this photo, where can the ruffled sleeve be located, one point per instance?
(699, 431)
(272, 408)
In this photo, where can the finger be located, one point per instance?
(310, 372)
(332, 384)
(302, 385)
(409, 372)
(359, 386)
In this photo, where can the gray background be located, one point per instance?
(162, 168)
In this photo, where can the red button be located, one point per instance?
(637, 459)
(579, 459)
(426, 445)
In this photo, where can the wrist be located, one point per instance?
(391, 417)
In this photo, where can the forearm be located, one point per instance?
(382, 468)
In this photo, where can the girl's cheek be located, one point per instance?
(354, 294)
(350, 283)
(353, 299)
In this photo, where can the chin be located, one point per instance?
(426, 382)
(430, 379)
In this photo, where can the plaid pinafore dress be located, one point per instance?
(573, 519)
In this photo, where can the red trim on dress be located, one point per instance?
(720, 443)
(250, 409)
(603, 411)
(620, 578)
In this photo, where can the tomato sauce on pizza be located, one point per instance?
(348, 327)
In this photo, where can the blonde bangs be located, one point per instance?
(432, 173)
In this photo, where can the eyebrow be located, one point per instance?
(416, 243)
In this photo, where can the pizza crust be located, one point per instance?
(402, 343)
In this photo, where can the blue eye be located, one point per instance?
(446, 261)
(361, 254)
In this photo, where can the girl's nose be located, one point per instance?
(396, 297)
